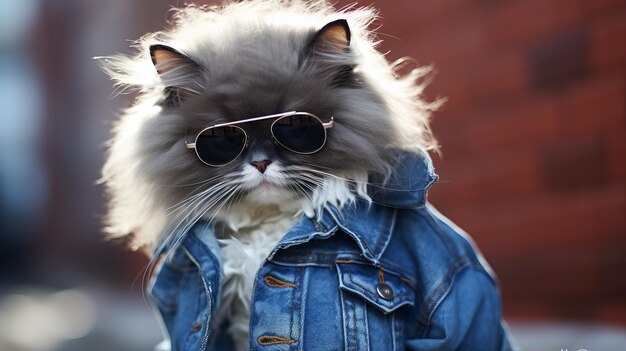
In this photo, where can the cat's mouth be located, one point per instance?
(266, 184)
(277, 183)
(269, 192)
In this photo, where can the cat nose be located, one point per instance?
(261, 165)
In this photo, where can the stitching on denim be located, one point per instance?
(291, 312)
(319, 254)
(276, 282)
(450, 247)
(400, 331)
(214, 261)
(385, 233)
(392, 226)
(382, 232)
(402, 298)
(344, 318)
(168, 307)
(330, 261)
(273, 340)
(389, 268)
(253, 305)
(301, 298)
(354, 331)
(344, 261)
(362, 245)
(443, 295)
(443, 284)
(406, 280)
(205, 337)
(394, 341)
(372, 295)
(323, 258)
(162, 303)
(397, 271)
(425, 311)
(367, 326)
(207, 291)
(366, 289)
(302, 240)
(296, 306)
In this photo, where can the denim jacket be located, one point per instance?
(393, 274)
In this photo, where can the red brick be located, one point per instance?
(520, 23)
(406, 16)
(534, 222)
(490, 177)
(548, 276)
(611, 265)
(592, 107)
(617, 150)
(612, 312)
(524, 125)
(558, 60)
(575, 220)
(601, 7)
(481, 81)
(523, 312)
(606, 42)
(574, 164)
(459, 35)
(570, 282)
(531, 123)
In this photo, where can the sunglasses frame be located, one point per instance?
(277, 116)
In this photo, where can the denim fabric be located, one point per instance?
(390, 275)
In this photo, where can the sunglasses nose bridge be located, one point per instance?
(261, 145)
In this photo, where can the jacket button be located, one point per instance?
(384, 291)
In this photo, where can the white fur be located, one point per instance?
(133, 208)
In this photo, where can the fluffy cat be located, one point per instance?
(236, 61)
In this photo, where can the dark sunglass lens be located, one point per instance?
(299, 133)
(220, 145)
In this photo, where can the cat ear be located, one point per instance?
(179, 73)
(333, 38)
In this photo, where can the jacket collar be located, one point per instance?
(412, 175)
(371, 224)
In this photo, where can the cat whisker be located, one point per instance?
(354, 181)
(220, 190)
(215, 187)
(201, 182)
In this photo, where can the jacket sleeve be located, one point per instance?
(468, 317)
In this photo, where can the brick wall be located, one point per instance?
(533, 138)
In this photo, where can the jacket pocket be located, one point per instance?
(181, 294)
(372, 301)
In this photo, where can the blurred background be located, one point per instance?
(533, 166)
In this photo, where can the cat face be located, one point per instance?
(270, 75)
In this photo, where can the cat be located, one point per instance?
(241, 60)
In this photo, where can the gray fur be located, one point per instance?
(253, 59)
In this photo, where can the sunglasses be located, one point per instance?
(299, 132)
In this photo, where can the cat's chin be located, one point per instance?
(269, 194)
(259, 205)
